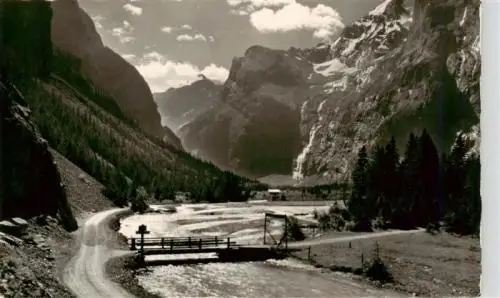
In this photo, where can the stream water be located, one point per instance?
(243, 222)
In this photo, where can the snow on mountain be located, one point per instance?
(307, 112)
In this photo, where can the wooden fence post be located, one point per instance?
(162, 242)
(199, 244)
(216, 242)
(171, 244)
(189, 242)
(132, 244)
(309, 253)
(265, 228)
(228, 242)
(362, 262)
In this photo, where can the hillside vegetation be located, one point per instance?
(89, 128)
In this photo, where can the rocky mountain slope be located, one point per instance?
(74, 32)
(29, 176)
(254, 126)
(430, 80)
(182, 105)
(397, 70)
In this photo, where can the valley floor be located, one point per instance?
(424, 264)
(427, 265)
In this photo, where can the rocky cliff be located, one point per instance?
(179, 106)
(397, 70)
(430, 80)
(254, 126)
(31, 184)
(74, 32)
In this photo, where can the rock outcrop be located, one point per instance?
(74, 32)
(31, 184)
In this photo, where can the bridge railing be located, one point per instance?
(182, 242)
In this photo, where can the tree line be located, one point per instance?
(419, 189)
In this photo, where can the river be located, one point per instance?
(244, 223)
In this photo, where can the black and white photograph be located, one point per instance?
(247, 148)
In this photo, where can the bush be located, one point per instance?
(338, 223)
(295, 233)
(138, 202)
(346, 215)
(362, 226)
(117, 197)
(324, 222)
(349, 226)
(380, 223)
(378, 271)
(432, 228)
(315, 214)
(335, 209)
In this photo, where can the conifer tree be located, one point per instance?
(357, 204)
(403, 216)
(390, 184)
(375, 184)
(427, 207)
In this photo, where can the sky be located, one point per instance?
(171, 42)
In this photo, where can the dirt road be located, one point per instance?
(84, 274)
(313, 242)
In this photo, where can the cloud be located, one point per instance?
(123, 33)
(128, 56)
(239, 12)
(162, 74)
(135, 10)
(167, 29)
(245, 7)
(186, 26)
(97, 21)
(260, 3)
(187, 37)
(154, 56)
(322, 19)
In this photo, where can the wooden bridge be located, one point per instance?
(181, 245)
(225, 248)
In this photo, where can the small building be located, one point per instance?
(274, 193)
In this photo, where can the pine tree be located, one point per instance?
(463, 204)
(403, 216)
(473, 193)
(427, 207)
(358, 202)
(391, 180)
(456, 172)
(375, 184)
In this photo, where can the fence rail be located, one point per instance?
(182, 242)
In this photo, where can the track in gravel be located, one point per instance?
(84, 274)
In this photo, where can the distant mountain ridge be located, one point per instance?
(182, 105)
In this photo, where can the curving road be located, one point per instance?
(313, 242)
(84, 274)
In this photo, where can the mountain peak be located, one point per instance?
(393, 8)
